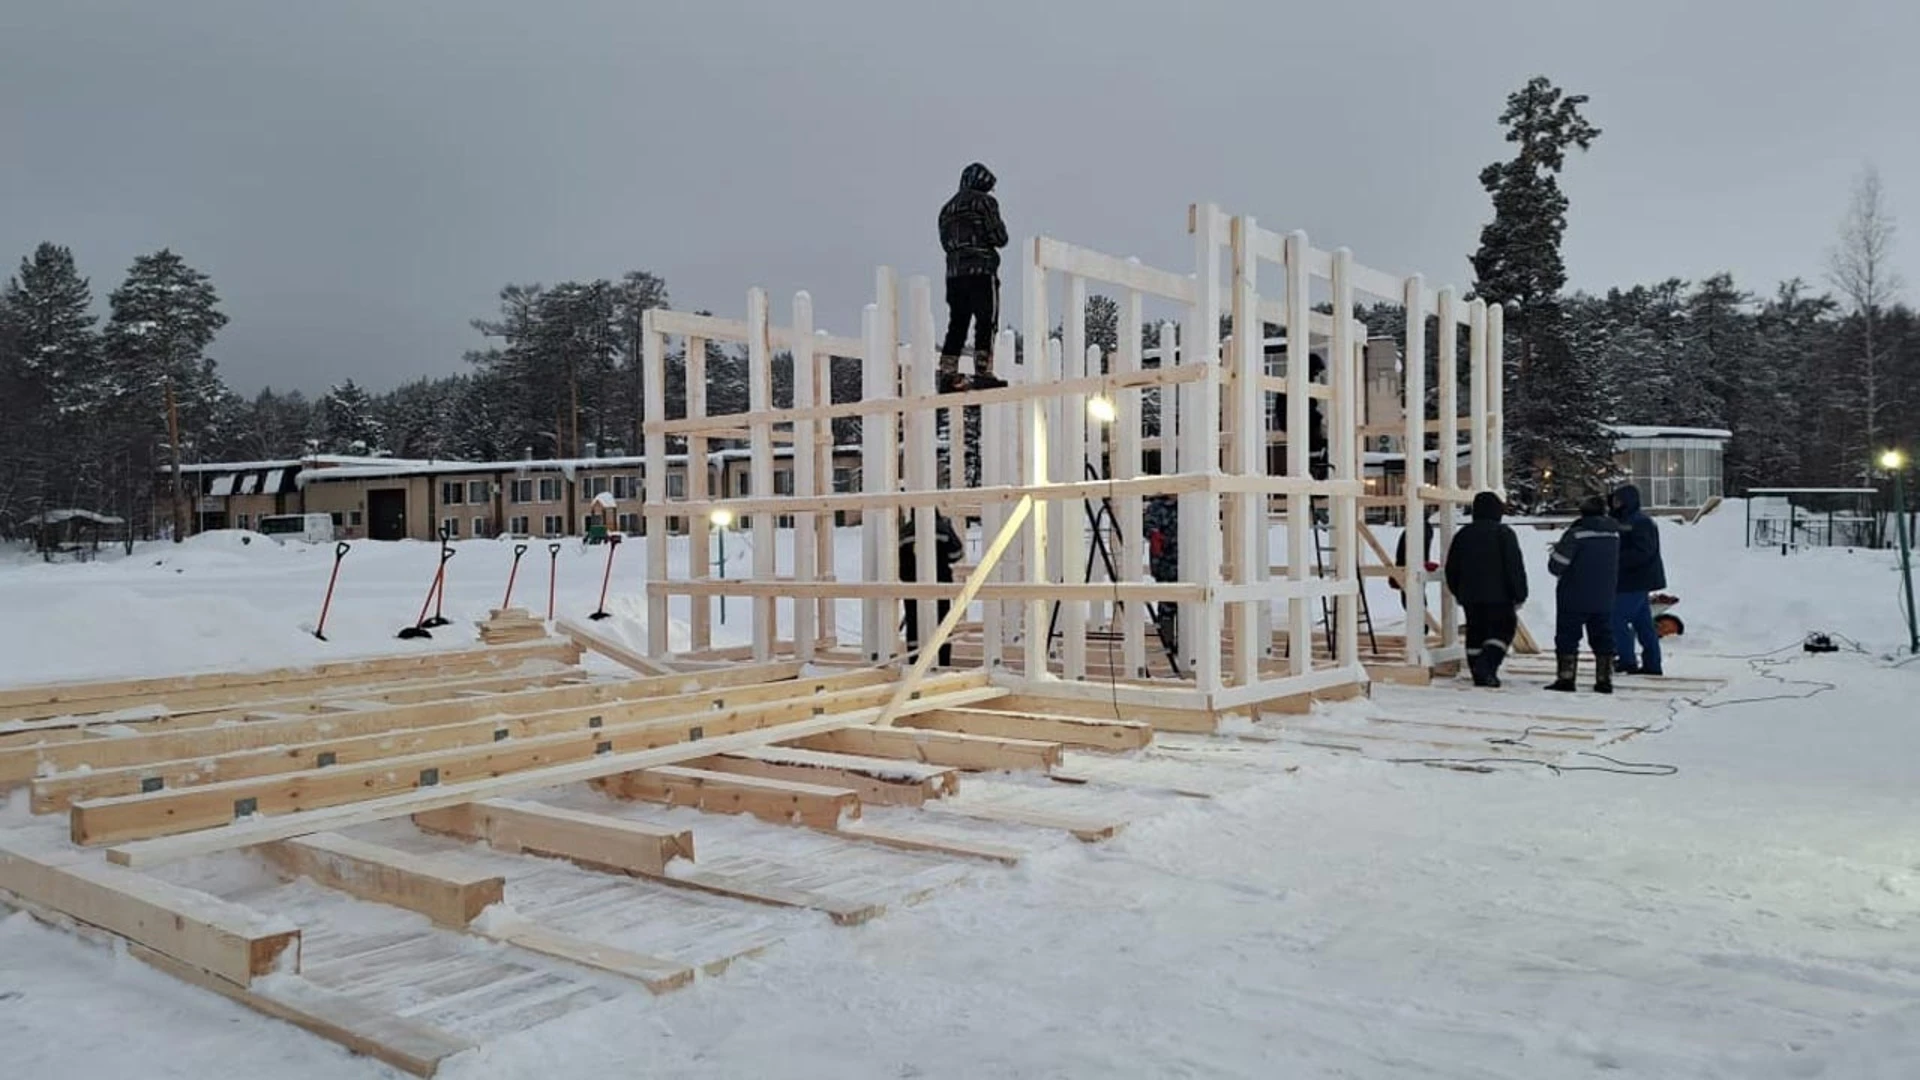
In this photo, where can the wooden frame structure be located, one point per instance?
(1247, 634)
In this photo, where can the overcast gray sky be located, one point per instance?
(359, 177)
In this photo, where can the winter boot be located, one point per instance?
(983, 376)
(1477, 665)
(949, 379)
(1567, 667)
(1603, 673)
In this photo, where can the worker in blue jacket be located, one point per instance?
(1586, 560)
(1641, 572)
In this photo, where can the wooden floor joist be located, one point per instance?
(878, 781)
(1068, 730)
(262, 830)
(843, 911)
(439, 888)
(592, 841)
(656, 974)
(189, 691)
(613, 702)
(907, 840)
(162, 813)
(783, 802)
(192, 927)
(1082, 826)
(949, 748)
(1190, 721)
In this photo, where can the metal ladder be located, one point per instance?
(1321, 550)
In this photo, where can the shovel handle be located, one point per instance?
(340, 549)
(553, 549)
(519, 550)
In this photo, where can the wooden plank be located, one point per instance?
(656, 974)
(267, 829)
(613, 651)
(197, 929)
(1192, 721)
(593, 841)
(570, 706)
(160, 813)
(950, 748)
(877, 781)
(223, 687)
(842, 911)
(1082, 827)
(411, 1047)
(1070, 730)
(906, 840)
(439, 888)
(783, 802)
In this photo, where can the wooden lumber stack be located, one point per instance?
(511, 626)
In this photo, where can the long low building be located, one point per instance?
(396, 499)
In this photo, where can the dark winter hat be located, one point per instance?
(977, 177)
(1486, 507)
(1593, 506)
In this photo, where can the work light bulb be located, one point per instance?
(1102, 409)
(721, 518)
(1893, 460)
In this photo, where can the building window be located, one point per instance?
(783, 482)
(745, 487)
(843, 478)
(452, 492)
(626, 487)
(593, 485)
(676, 485)
(549, 489)
(523, 491)
(517, 525)
(555, 525)
(243, 520)
(451, 527)
(480, 529)
(479, 491)
(629, 523)
(353, 518)
(336, 519)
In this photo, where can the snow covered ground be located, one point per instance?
(1754, 915)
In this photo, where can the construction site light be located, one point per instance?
(721, 518)
(1893, 460)
(1102, 409)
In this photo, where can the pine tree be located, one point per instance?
(48, 366)
(1554, 404)
(163, 317)
(349, 423)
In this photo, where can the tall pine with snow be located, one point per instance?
(48, 355)
(1555, 405)
(349, 423)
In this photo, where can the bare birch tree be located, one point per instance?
(1861, 267)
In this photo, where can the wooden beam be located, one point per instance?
(203, 931)
(181, 691)
(906, 840)
(930, 648)
(161, 813)
(656, 974)
(404, 1044)
(593, 841)
(878, 781)
(266, 829)
(783, 802)
(1070, 730)
(949, 748)
(437, 887)
(1083, 827)
(613, 702)
(1194, 721)
(613, 651)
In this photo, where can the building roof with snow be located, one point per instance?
(1664, 431)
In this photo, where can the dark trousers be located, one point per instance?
(1633, 617)
(1568, 624)
(909, 572)
(973, 299)
(1490, 629)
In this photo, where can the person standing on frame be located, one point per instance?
(972, 234)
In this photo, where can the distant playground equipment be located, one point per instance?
(339, 552)
(1795, 518)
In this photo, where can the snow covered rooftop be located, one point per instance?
(1662, 431)
(566, 466)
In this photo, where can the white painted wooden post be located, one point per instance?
(1070, 538)
(828, 619)
(1034, 460)
(1477, 393)
(921, 463)
(1200, 540)
(1415, 384)
(1497, 397)
(1095, 451)
(1126, 466)
(1447, 476)
(872, 644)
(805, 480)
(996, 470)
(1299, 451)
(699, 551)
(760, 467)
(654, 379)
(1249, 520)
(1343, 460)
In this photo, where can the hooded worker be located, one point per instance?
(1641, 572)
(972, 234)
(1586, 559)
(1487, 577)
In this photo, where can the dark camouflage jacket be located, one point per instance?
(971, 232)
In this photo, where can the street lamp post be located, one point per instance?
(721, 519)
(1896, 463)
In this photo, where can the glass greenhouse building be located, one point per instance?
(1675, 468)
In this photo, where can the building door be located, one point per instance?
(387, 514)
